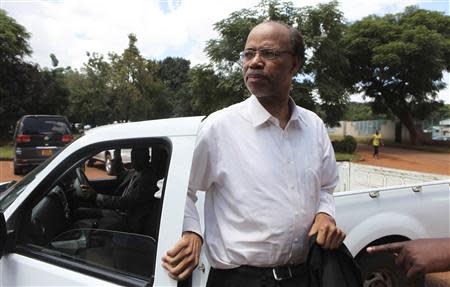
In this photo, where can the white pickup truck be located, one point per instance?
(40, 245)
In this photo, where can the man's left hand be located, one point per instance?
(328, 235)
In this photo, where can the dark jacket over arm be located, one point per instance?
(329, 268)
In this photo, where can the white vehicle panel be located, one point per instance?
(395, 211)
(18, 270)
(174, 203)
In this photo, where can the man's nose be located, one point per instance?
(256, 61)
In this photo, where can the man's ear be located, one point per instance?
(296, 65)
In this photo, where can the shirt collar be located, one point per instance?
(258, 115)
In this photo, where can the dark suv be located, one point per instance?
(38, 137)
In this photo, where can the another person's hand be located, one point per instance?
(418, 257)
(328, 235)
(181, 260)
(86, 193)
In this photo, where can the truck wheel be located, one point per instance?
(379, 269)
(108, 164)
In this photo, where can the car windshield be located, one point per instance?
(8, 196)
(43, 125)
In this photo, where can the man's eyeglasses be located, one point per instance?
(265, 54)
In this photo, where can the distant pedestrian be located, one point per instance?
(376, 142)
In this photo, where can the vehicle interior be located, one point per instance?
(53, 227)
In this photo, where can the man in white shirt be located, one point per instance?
(268, 169)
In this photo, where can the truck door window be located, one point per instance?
(116, 228)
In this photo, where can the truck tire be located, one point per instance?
(108, 165)
(379, 269)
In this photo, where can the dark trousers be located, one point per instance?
(247, 276)
(375, 150)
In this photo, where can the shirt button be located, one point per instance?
(291, 187)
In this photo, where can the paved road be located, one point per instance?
(407, 159)
(7, 173)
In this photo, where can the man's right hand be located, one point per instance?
(419, 256)
(86, 193)
(181, 260)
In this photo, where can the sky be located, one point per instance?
(177, 28)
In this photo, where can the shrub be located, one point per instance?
(346, 145)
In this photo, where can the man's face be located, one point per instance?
(264, 77)
(139, 159)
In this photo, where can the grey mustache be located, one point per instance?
(256, 73)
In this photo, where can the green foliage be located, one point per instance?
(361, 112)
(443, 112)
(398, 60)
(212, 91)
(24, 87)
(174, 74)
(13, 40)
(125, 87)
(346, 145)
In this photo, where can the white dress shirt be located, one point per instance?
(263, 184)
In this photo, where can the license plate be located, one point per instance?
(46, 152)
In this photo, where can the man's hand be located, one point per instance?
(87, 193)
(418, 257)
(181, 260)
(328, 235)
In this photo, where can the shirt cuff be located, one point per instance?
(191, 224)
(326, 204)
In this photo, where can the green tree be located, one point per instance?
(91, 94)
(174, 74)
(24, 87)
(212, 91)
(14, 72)
(323, 27)
(138, 92)
(398, 60)
(13, 40)
(319, 88)
(361, 112)
(122, 87)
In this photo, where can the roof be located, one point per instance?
(153, 128)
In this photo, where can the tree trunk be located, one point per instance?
(414, 134)
(401, 110)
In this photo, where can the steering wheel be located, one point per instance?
(81, 179)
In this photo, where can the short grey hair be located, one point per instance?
(297, 45)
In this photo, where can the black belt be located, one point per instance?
(279, 273)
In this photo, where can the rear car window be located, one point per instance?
(42, 125)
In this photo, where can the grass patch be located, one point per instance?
(6, 151)
(347, 156)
